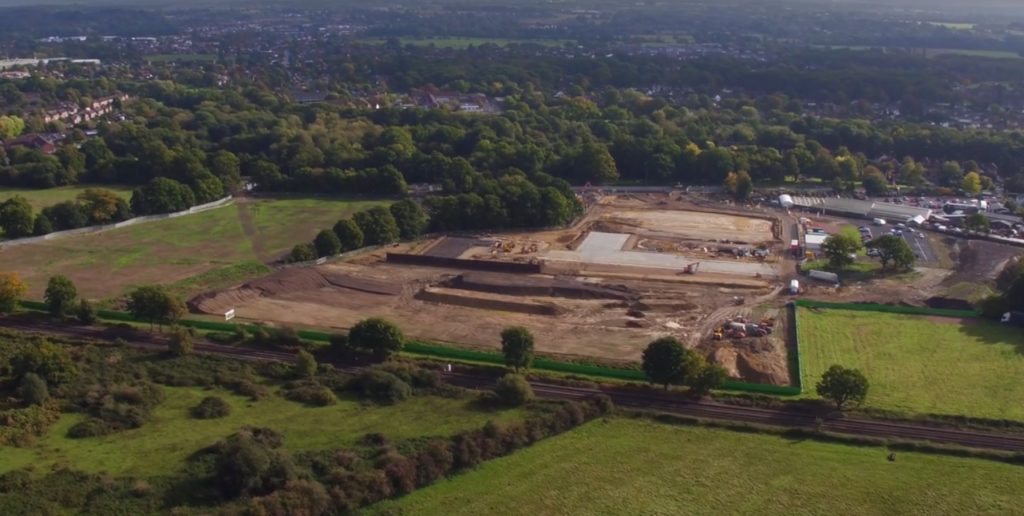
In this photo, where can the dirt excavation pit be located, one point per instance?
(694, 225)
(601, 307)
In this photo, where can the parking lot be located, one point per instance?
(916, 239)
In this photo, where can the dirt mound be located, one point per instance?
(286, 281)
(370, 285)
(726, 357)
(486, 301)
(759, 361)
(518, 285)
(219, 302)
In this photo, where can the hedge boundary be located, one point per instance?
(433, 350)
(893, 309)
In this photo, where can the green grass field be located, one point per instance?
(41, 198)
(162, 445)
(640, 467)
(207, 250)
(919, 364)
(954, 25)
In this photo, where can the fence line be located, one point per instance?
(124, 223)
(894, 309)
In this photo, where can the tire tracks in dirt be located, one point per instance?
(245, 218)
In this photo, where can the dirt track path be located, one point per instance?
(245, 218)
(716, 317)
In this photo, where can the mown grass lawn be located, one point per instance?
(42, 198)
(193, 253)
(640, 467)
(162, 445)
(919, 364)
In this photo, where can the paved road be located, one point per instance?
(642, 399)
(921, 246)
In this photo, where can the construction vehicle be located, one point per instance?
(691, 268)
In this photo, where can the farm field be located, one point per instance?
(163, 444)
(42, 198)
(210, 249)
(919, 364)
(641, 467)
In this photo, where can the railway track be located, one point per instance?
(640, 400)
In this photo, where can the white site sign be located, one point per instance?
(230, 314)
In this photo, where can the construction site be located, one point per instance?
(632, 269)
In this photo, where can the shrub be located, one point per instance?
(303, 253)
(377, 336)
(412, 374)
(297, 497)
(180, 343)
(305, 366)
(248, 463)
(380, 386)
(212, 407)
(19, 426)
(14, 481)
(311, 393)
(513, 390)
(33, 389)
(91, 427)
(85, 313)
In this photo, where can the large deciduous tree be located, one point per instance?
(349, 234)
(60, 295)
(16, 217)
(517, 347)
(667, 362)
(409, 217)
(739, 185)
(377, 336)
(840, 249)
(892, 248)
(843, 386)
(327, 243)
(977, 222)
(12, 289)
(153, 304)
(378, 226)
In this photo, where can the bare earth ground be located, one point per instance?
(602, 311)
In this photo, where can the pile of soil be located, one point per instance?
(486, 301)
(519, 285)
(286, 281)
(755, 360)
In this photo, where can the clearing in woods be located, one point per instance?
(42, 198)
(161, 446)
(936, 365)
(192, 253)
(639, 467)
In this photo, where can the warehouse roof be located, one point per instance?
(864, 209)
